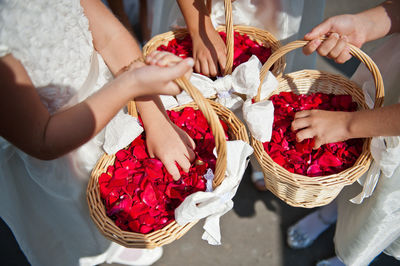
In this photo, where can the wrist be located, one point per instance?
(351, 125)
(128, 80)
(196, 31)
(368, 21)
(138, 62)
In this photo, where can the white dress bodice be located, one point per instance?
(45, 200)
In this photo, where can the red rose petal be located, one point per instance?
(139, 194)
(301, 158)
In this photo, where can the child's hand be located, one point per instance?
(166, 59)
(339, 31)
(323, 126)
(209, 53)
(152, 79)
(171, 145)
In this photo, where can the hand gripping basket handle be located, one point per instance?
(363, 57)
(229, 34)
(213, 121)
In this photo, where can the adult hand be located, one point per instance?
(339, 30)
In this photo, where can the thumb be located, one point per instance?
(319, 30)
(178, 70)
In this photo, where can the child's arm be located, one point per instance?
(26, 122)
(356, 29)
(330, 126)
(209, 50)
(118, 48)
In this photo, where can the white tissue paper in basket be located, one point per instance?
(259, 116)
(120, 132)
(169, 101)
(245, 80)
(216, 203)
(202, 83)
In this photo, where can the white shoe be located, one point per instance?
(304, 232)
(334, 261)
(126, 256)
(136, 257)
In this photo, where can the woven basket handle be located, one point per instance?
(356, 52)
(212, 120)
(229, 37)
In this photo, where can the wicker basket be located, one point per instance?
(303, 191)
(213, 112)
(256, 34)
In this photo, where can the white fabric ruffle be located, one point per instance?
(213, 204)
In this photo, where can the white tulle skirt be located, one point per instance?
(365, 230)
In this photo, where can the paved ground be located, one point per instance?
(253, 233)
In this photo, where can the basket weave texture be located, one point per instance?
(213, 112)
(304, 191)
(261, 36)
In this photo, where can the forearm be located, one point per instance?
(118, 48)
(196, 16)
(377, 122)
(24, 117)
(386, 15)
(151, 111)
(69, 129)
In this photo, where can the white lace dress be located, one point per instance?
(43, 202)
(287, 20)
(365, 230)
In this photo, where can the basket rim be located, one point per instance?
(98, 207)
(365, 155)
(273, 42)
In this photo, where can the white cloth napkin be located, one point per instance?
(120, 132)
(245, 80)
(216, 203)
(259, 118)
(202, 83)
(169, 101)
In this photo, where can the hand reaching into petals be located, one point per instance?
(164, 139)
(324, 126)
(171, 145)
(209, 53)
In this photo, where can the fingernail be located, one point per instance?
(190, 62)
(317, 42)
(335, 35)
